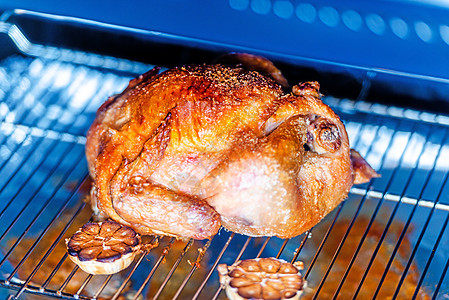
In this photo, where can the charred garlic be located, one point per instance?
(103, 248)
(262, 278)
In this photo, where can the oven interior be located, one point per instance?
(389, 239)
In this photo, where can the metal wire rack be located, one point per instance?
(388, 239)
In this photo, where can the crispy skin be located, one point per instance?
(189, 149)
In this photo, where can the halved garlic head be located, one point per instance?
(103, 248)
(262, 278)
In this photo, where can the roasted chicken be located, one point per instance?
(187, 150)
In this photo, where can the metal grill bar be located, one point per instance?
(52, 274)
(66, 282)
(213, 268)
(426, 268)
(379, 204)
(203, 284)
(446, 267)
(48, 134)
(24, 116)
(40, 212)
(387, 226)
(180, 257)
(303, 242)
(407, 224)
(216, 263)
(263, 247)
(46, 96)
(30, 277)
(397, 198)
(423, 230)
(9, 94)
(31, 117)
(282, 248)
(161, 258)
(125, 282)
(317, 253)
(24, 184)
(103, 286)
(33, 92)
(361, 106)
(196, 263)
(83, 285)
(362, 201)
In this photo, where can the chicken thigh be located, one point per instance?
(194, 148)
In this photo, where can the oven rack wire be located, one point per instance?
(48, 100)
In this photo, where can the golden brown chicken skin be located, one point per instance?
(187, 150)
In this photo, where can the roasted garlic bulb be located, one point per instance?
(103, 248)
(262, 278)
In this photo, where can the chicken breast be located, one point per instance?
(187, 150)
